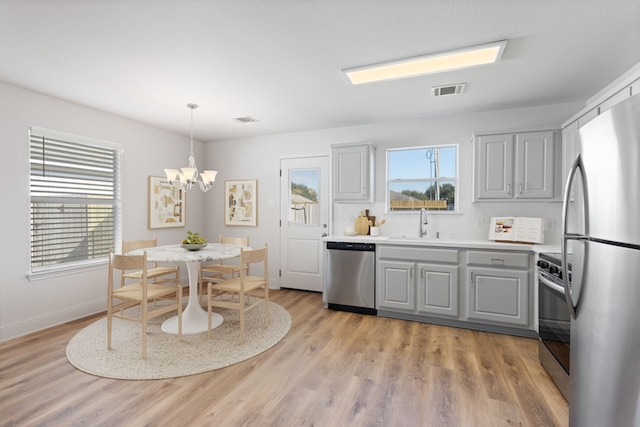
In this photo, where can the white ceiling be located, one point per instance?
(279, 61)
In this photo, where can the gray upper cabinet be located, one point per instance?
(353, 172)
(570, 130)
(494, 166)
(635, 88)
(614, 99)
(516, 166)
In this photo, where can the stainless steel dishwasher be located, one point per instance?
(350, 277)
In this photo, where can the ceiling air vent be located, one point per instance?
(246, 119)
(448, 89)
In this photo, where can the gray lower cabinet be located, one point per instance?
(499, 288)
(437, 289)
(415, 287)
(396, 286)
(479, 289)
(413, 279)
(498, 296)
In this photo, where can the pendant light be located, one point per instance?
(186, 177)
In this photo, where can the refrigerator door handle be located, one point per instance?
(577, 167)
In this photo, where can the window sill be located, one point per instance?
(67, 270)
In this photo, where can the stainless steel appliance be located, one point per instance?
(602, 230)
(350, 277)
(554, 321)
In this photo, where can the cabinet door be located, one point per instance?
(351, 173)
(494, 166)
(587, 117)
(635, 88)
(499, 296)
(396, 286)
(614, 99)
(438, 289)
(534, 165)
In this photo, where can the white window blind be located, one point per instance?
(75, 199)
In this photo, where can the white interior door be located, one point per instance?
(304, 215)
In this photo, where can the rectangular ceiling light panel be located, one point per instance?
(428, 64)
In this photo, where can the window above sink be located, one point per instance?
(422, 177)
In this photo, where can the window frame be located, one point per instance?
(455, 179)
(114, 199)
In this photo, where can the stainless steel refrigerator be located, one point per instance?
(601, 227)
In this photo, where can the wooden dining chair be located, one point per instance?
(242, 293)
(219, 271)
(155, 274)
(123, 298)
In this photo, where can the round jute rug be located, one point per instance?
(167, 357)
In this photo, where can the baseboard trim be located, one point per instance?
(19, 329)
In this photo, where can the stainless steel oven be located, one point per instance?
(554, 321)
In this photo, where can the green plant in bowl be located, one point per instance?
(193, 241)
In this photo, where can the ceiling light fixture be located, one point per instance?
(186, 177)
(428, 64)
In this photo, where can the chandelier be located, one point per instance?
(186, 177)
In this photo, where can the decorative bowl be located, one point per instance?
(193, 247)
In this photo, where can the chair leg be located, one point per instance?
(179, 295)
(241, 315)
(144, 329)
(209, 310)
(266, 306)
(109, 321)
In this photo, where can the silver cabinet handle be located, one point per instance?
(520, 188)
(411, 272)
(508, 188)
(497, 261)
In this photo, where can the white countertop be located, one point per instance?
(444, 243)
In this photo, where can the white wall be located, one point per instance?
(259, 158)
(27, 306)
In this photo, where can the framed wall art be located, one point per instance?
(167, 204)
(241, 202)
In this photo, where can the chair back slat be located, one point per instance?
(132, 245)
(253, 256)
(128, 262)
(238, 241)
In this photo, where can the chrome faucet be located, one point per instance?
(423, 222)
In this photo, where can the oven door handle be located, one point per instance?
(550, 284)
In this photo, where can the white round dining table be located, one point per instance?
(194, 318)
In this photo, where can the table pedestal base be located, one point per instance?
(193, 322)
(194, 318)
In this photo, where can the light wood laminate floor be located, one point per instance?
(332, 369)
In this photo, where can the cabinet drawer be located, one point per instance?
(498, 259)
(418, 254)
